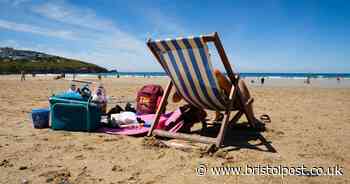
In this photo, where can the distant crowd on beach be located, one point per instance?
(60, 76)
(262, 80)
(307, 81)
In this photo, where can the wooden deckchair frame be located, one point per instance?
(234, 93)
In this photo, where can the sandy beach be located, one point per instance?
(310, 126)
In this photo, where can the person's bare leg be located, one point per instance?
(226, 85)
(246, 96)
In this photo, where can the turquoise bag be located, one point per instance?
(73, 113)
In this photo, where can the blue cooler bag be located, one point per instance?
(40, 118)
(70, 111)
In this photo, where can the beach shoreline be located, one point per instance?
(252, 81)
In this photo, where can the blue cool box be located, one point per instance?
(74, 113)
(40, 118)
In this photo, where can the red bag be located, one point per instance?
(148, 99)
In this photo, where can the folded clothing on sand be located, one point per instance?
(124, 118)
(166, 120)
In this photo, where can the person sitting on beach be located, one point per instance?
(225, 85)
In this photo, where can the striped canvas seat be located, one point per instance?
(187, 62)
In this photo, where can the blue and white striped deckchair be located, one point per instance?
(187, 62)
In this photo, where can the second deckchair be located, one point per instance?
(188, 64)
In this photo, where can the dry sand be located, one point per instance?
(310, 126)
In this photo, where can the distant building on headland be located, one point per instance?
(8, 52)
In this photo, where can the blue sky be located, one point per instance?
(259, 36)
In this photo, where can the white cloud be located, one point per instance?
(106, 43)
(96, 39)
(65, 13)
(18, 2)
(35, 29)
(164, 25)
(14, 3)
(9, 43)
(101, 30)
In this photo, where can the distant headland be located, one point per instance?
(15, 61)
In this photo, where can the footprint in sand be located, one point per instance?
(80, 157)
(6, 163)
(117, 168)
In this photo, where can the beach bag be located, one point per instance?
(148, 99)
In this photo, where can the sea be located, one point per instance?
(249, 75)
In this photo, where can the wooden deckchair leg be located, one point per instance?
(220, 138)
(235, 118)
(160, 107)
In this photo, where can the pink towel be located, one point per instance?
(173, 120)
(165, 121)
(149, 119)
